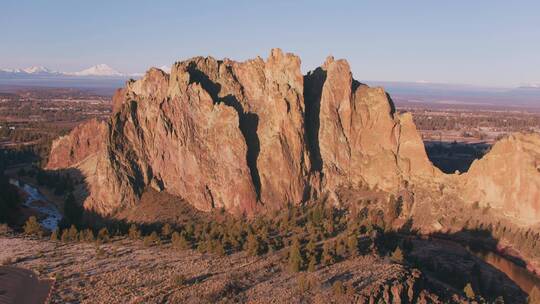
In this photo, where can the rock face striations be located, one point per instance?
(253, 135)
(356, 135)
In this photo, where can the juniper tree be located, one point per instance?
(32, 226)
(54, 235)
(397, 255)
(311, 247)
(352, 244)
(133, 232)
(295, 256)
(103, 235)
(312, 263)
(65, 236)
(151, 239)
(73, 233)
(89, 235)
(338, 288)
(328, 254)
(180, 241)
(469, 292)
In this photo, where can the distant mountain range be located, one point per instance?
(403, 93)
(100, 70)
(461, 94)
(100, 76)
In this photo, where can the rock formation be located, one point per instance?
(84, 140)
(258, 135)
(358, 136)
(507, 178)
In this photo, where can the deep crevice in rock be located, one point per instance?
(391, 103)
(248, 122)
(313, 85)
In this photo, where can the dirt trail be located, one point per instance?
(21, 286)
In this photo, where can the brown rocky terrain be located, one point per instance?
(126, 271)
(245, 136)
(258, 135)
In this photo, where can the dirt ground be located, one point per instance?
(124, 271)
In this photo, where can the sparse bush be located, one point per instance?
(152, 239)
(397, 255)
(253, 245)
(89, 235)
(180, 241)
(304, 284)
(134, 233)
(312, 266)
(65, 236)
(73, 233)
(100, 252)
(328, 254)
(218, 248)
(58, 276)
(311, 247)
(103, 235)
(469, 292)
(4, 229)
(338, 288)
(32, 227)
(352, 244)
(54, 235)
(166, 230)
(295, 256)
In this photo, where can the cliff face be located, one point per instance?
(258, 135)
(507, 178)
(83, 141)
(357, 136)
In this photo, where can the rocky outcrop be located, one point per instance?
(507, 178)
(170, 134)
(83, 141)
(86, 149)
(268, 99)
(258, 134)
(359, 139)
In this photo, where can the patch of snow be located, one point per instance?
(98, 70)
(38, 70)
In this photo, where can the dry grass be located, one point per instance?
(139, 274)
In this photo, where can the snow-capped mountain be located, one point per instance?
(39, 70)
(530, 86)
(11, 71)
(99, 70)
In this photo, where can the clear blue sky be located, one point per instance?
(475, 42)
